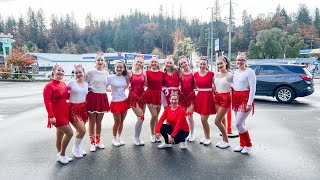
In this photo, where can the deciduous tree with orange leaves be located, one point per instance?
(20, 59)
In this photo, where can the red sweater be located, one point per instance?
(176, 119)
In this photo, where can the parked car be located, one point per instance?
(283, 81)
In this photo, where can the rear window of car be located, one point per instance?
(307, 72)
(295, 69)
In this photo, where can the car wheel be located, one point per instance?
(285, 94)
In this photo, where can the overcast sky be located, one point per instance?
(107, 9)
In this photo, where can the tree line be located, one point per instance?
(273, 36)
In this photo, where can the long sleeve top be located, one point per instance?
(244, 80)
(97, 80)
(55, 95)
(176, 118)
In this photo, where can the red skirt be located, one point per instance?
(119, 107)
(153, 97)
(78, 112)
(61, 113)
(240, 100)
(223, 100)
(204, 103)
(97, 103)
(134, 100)
(187, 99)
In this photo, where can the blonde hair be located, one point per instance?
(100, 55)
(169, 58)
(138, 57)
(156, 59)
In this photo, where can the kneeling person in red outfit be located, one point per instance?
(177, 129)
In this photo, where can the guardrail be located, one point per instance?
(22, 76)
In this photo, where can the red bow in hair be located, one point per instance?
(100, 53)
(204, 57)
(77, 65)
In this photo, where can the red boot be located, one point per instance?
(242, 143)
(247, 139)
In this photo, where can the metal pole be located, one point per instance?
(229, 48)
(211, 55)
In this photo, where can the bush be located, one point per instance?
(24, 77)
(5, 73)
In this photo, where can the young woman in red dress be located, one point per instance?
(97, 100)
(137, 97)
(55, 95)
(187, 94)
(204, 102)
(171, 81)
(153, 94)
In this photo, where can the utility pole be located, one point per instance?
(230, 29)
(211, 38)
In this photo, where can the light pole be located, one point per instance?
(211, 38)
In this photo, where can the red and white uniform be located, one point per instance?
(55, 95)
(119, 102)
(244, 85)
(97, 99)
(137, 94)
(204, 102)
(223, 87)
(153, 92)
(171, 84)
(176, 118)
(77, 101)
(187, 94)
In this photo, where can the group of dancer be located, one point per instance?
(173, 87)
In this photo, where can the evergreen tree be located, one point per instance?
(303, 17)
(316, 22)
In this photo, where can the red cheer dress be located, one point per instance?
(171, 84)
(137, 94)
(153, 92)
(187, 95)
(204, 103)
(55, 95)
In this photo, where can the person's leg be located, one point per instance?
(206, 127)
(117, 121)
(59, 140)
(218, 121)
(68, 133)
(81, 130)
(190, 111)
(140, 118)
(92, 123)
(165, 130)
(122, 118)
(98, 130)
(181, 137)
